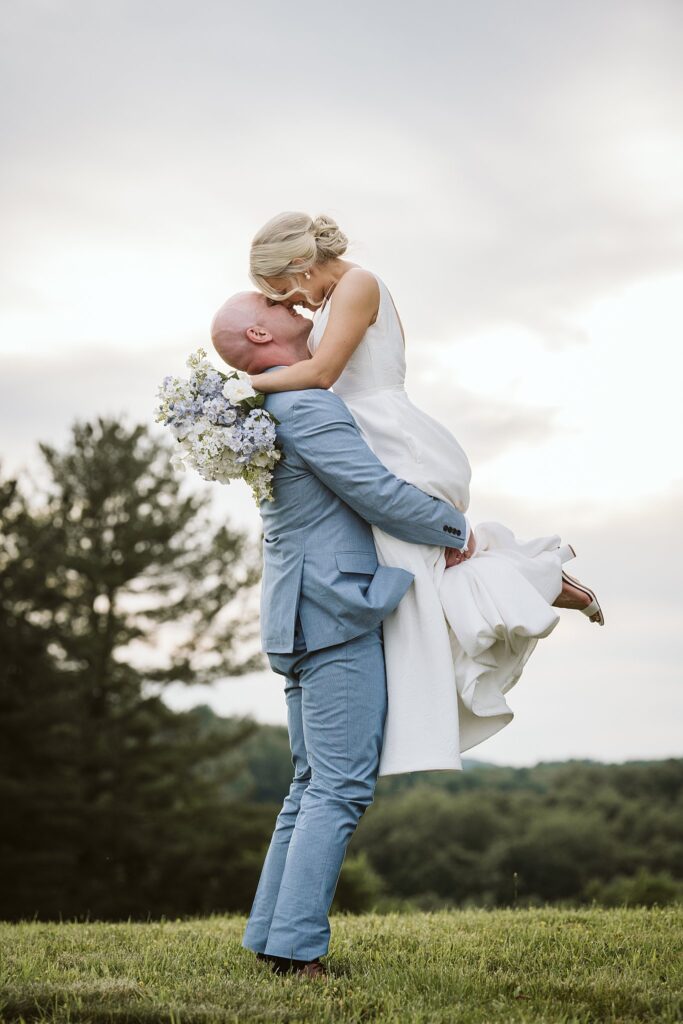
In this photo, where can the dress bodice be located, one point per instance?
(406, 439)
(379, 361)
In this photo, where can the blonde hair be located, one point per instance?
(289, 237)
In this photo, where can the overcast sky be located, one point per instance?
(514, 173)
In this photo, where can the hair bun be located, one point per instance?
(330, 240)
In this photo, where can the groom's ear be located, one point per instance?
(259, 335)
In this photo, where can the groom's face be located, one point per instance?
(250, 332)
(283, 321)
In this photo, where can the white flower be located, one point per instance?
(195, 432)
(261, 459)
(237, 388)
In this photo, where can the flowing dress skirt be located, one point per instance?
(459, 639)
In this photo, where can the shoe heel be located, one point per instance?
(566, 553)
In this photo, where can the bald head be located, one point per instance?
(251, 335)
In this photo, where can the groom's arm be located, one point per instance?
(327, 438)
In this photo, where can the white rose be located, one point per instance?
(236, 390)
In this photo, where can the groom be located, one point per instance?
(323, 600)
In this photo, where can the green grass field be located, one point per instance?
(550, 965)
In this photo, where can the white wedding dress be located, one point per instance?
(460, 637)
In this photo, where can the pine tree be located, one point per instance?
(38, 787)
(114, 585)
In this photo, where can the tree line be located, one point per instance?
(115, 583)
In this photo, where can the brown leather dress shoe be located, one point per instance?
(309, 969)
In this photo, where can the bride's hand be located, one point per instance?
(454, 556)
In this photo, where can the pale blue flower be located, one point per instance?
(218, 435)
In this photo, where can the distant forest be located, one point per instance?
(113, 584)
(566, 833)
(569, 832)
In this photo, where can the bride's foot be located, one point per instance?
(575, 595)
(571, 597)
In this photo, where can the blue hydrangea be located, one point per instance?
(221, 439)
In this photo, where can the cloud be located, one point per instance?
(486, 426)
(496, 165)
(40, 398)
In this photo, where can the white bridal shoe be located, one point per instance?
(566, 553)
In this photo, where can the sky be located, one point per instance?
(513, 172)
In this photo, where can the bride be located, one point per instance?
(459, 639)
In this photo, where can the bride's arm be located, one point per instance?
(353, 307)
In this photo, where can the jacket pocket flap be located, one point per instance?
(357, 561)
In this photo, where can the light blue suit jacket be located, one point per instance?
(318, 553)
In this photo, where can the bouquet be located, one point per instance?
(219, 425)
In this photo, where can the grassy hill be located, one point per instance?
(540, 965)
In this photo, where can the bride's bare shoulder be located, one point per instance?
(358, 281)
(357, 288)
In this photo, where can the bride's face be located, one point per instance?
(309, 291)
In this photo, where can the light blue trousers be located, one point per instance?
(336, 707)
